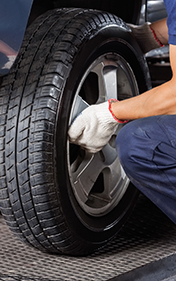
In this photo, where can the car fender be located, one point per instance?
(13, 21)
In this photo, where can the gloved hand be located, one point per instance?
(145, 36)
(93, 128)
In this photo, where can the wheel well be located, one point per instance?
(128, 10)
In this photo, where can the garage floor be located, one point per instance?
(149, 236)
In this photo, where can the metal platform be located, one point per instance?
(148, 237)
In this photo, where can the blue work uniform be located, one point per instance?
(147, 148)
(171, 20)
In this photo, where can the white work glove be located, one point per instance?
(145, 36)
(93, 128)
(9, 63)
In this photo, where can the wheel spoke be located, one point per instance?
(112, 183)
(78, 107)
(107, 80)
(110, 77)
(86, 174)
(98, 69)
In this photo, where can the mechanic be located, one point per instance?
(146, 146)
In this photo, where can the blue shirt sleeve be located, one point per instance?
(171, 20)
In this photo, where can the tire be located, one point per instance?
(56, 196)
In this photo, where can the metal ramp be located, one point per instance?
(148, 237)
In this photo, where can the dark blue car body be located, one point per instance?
(14, 16)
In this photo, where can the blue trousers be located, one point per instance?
(147, 152)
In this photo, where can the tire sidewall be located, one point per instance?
(107, 39)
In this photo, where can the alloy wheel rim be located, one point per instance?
(98, 180)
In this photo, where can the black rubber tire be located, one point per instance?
(37, 201)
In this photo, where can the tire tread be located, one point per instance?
(29, 102)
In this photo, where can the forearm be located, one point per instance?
(158, 101)
(7, 50)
